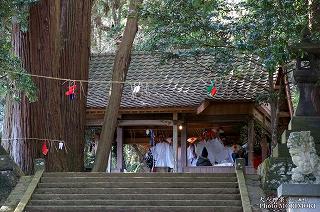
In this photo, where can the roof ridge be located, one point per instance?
(133, 53)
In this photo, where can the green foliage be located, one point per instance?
(131, 159)
(181, 24)
(268, 29)
(107, 23)
(295, 97)
(249, 31)
(13, 78)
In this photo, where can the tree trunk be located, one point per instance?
(314, 16)
(274, 105)
(57, 44)
(120, 69)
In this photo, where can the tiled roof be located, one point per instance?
(174, 83)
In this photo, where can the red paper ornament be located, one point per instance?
(71, 91)
(213, 91)
(45, 149)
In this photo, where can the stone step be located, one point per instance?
(140, 185)
(130, 175)
(137, 202)
(133, 209)
(137, 191)
(135, 196)
(137, 179)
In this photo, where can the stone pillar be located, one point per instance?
(300, 197)
(39, 164)
(307, 76)
(240, 164)
(183, 148)
(120, 149)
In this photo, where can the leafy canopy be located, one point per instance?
(264, 29)
(184, 24)
(13, 78)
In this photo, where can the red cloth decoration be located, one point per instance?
(213, 91)
(71, 91)
(45, 149)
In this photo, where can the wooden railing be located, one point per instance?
(39, 168)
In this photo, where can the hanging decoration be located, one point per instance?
(192, 140)
(45, 149)
(61, 144)
(71, 91)
(212, 89)
(136, 90)
(151, 134)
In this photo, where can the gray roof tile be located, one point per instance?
(175, 83)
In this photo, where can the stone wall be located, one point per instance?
(274, 172)
(9, 175)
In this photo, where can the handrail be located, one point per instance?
(39, 169)
(239, 166)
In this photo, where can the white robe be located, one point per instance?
(207, 144)
(191, 157)
(230, 151)
(163, 154)
(217, 151)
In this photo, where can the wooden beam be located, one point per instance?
(101, 110)
(264, 147)
(184, 148)
(203, 106)
(128, 123)
(175, 141)
(250, 141)
(120, 149)
(217, 118)
(284, 114)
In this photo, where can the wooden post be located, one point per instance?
(250, 141)
(184, 148)
(264, 147)
(175, 141)
(120, 149)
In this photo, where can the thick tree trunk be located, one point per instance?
(57, 44)
(120, 69)
(314, 15)
(274, 105)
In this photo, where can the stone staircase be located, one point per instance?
(83, 191)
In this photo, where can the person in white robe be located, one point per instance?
(191, 156)
(163, 154)
(217, 149)
(199, 147)
(205, 142)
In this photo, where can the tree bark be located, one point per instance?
(274, 106)
(314, 15)
(120, 69)
(57, 44)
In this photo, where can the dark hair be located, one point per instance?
(204, 153)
